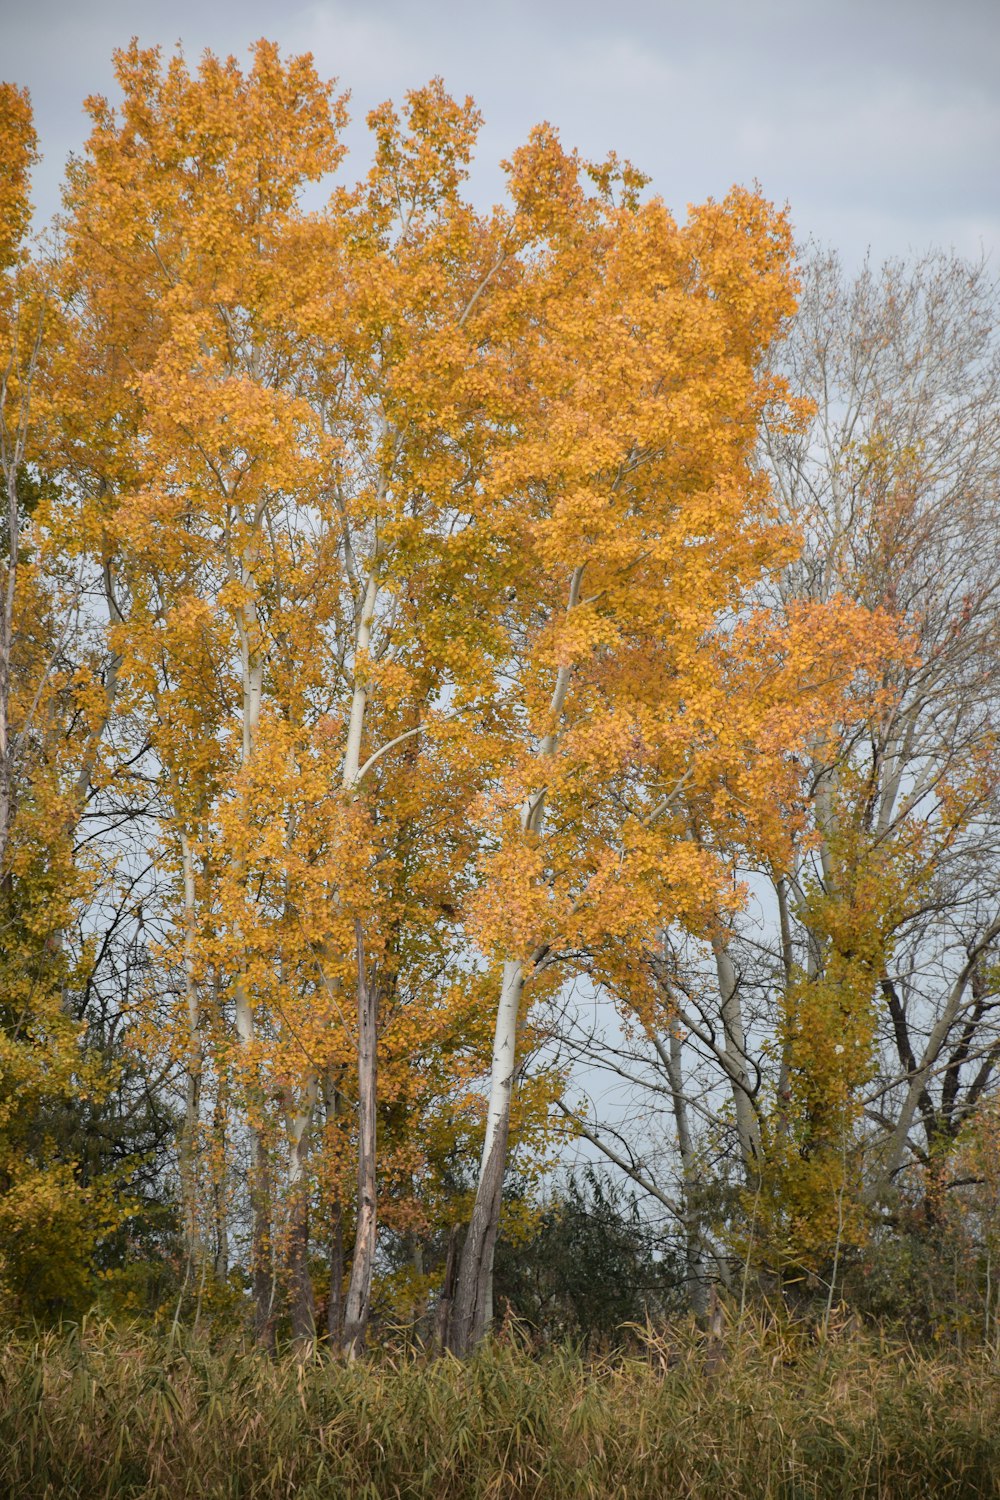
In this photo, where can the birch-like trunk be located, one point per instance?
(694, 1239)
(358, 1301)
(359, 1291)
(10, 564)
(474, 1293)
(473, 1307)
(261, 1252)
(261, 1249)
(359, 697)
(220, 1200)
(188, 1165)
(788, 970)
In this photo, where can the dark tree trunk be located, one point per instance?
(335, 1301)
(335, 1241)
(263, 1272)
(302, 1300)
(443, 1320)
(472, 1307)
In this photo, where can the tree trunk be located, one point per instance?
(261, 1241)
(473, 1309)
(362, 1266)
(188, 1164)
(695, 1282)
(335, 1242)
(301, 1298)
(747, 1123)
(447, 1300)
(12, 448)
(220, 1205)
(261, 1248)
(788, 970)
(358, 1300)
(335, 1301)
(473, 1296)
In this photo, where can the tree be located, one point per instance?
(193, 191)
(54, 1206)
(612, 821)
(855, 992)
(894, 485)
(306, 420)
(411, 610)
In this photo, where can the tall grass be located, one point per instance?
(98, 1414)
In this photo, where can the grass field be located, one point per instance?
(97, 1413)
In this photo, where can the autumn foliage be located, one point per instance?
(394, 637)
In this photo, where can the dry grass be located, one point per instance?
(98, 1414)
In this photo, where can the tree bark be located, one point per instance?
(188, 1164)
(335, 1301)
(261, 1248)
(747, 1124)
(359, 1291)
(694, 1240)
(442, 1321)
(302, 1300)
(220, 1206)
(473, 1296)
(262, 1271)
(261, 1191)
(335, 1242)
(13, 445)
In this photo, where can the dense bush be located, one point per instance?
(592, 1264)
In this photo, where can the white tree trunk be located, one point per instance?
(192, 1067)
(474, 1295)
(694, 1247)
(262, 1270)
(359, 699)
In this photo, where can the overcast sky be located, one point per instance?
(878, 122)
